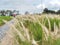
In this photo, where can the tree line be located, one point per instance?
(51, 11)
(8, 12)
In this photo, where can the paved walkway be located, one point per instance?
(4, 28)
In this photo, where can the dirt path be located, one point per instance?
(4, 29)
(7, 40)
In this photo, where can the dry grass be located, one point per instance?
(35, 30)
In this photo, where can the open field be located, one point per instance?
(7, 18)
(34, 30)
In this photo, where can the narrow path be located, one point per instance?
(5, 28)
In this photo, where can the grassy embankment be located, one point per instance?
(7, 18)
(36, 30)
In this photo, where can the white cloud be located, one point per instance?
(55, 2)
(41, 6)
(30, 5)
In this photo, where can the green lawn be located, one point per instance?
(7, 18)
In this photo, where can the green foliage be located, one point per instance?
(35, 29)
(7, 18)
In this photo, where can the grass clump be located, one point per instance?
(36, 30)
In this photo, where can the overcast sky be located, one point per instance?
(32, 6)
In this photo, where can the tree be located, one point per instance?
(2, 12)
(9, 12)
(26, 12)
(49, 11)
(58, 12)
(45, 10)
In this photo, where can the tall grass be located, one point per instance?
(36, 30)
